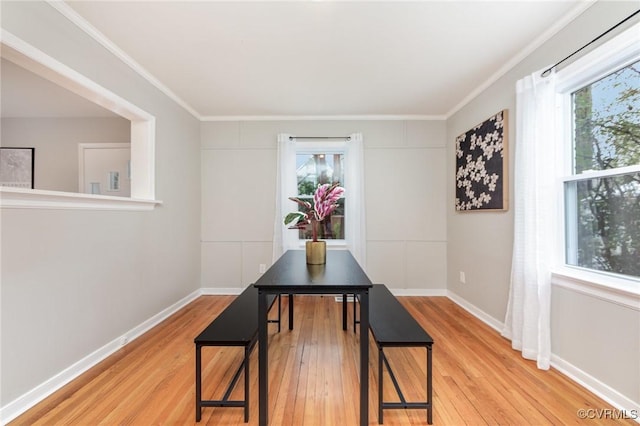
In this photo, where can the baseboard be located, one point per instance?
(476, 312)
(40, 392)
(418, 292)
(593, 385)
(215, 291)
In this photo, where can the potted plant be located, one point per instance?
(325, 201)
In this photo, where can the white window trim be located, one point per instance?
(593, 174)
(315, 147)
(142, 137)
(617, 53)
(623, 291)
(20, 198)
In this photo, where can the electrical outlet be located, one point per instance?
(463, 278)
(262, 268)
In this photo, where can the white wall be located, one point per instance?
(599, 338)
(405, 199)
(74, 280)
(56, 144)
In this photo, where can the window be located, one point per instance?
(315, 166)
(301, 165)
(602, 189)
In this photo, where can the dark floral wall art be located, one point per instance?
(481, 171)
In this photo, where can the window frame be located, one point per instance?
(617, 53)
(323, 147)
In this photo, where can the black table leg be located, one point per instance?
(263, 362)
(290, 311)
(364, 358)
(344, 311)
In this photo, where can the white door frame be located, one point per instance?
(82, 147)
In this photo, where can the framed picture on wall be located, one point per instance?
(16, 167)
(481, 166)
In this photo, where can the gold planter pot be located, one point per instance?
(316, 252)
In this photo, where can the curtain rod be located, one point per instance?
(548, 70)
(348, 138)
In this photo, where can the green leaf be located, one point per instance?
(293, 216)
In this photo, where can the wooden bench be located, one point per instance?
(393, 326)
(237, 325)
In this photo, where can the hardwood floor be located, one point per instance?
(313, 373)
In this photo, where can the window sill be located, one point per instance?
(331, 244)
(622, 291)
(18, 198)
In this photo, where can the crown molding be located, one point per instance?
(66, 11)
(528, 50)
(381, 117)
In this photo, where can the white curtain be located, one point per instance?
(286, 186)
(355, 223)
(536, 170)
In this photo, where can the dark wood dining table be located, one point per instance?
(291, 275)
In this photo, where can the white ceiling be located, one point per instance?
(322, 58)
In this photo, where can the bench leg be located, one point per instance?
(429, 387)
(428, 404)
(355, 319)
(279, 311)
(380, 378)
(278, 320)
(247, 352)
(198, 384)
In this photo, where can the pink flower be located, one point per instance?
(325, 201)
